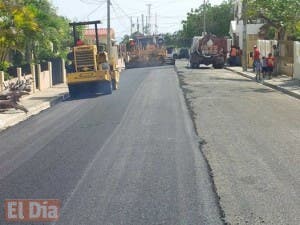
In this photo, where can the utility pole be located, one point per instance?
(204, 17)
(108, 29)
(245, 47)
(146, 27)
(143, 25)
(131, 24)
(156, 30)
(149, 18)
(137, 25)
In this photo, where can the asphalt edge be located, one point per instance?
(34, 111)
(266, 83)
(201, 143)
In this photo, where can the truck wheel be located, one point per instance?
(161, 60)
(72, 91)
(218, 66)
(195, 65)
(107, 88)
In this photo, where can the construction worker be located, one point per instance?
(256, 57)
(79, 42)
(270, 65)
(233, 54)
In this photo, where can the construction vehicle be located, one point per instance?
(171, 55)
(144, 51)
(115, 66)
(208, 49)
(90, 71)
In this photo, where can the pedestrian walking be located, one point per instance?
(233, 54)
(276, 58)
(256, 57)
(270, 65)
(264, 66)
(258, 71)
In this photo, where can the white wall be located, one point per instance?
(237, 28)
(297, 60)
(265, 46)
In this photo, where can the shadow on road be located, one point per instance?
(232, 79)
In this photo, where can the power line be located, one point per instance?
(116, 18)
(122, 10)
(92, 2)
(94, 10)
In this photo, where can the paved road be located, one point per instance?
(128, 158)
(252, 143)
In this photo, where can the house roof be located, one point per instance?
(101, 32)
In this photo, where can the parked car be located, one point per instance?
(183, 53)
(171, 52)
(171, 56)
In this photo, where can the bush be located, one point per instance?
(3, 67)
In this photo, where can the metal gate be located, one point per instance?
(57, 70)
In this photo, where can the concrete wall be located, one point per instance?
(286, 59)
(44, 78)
(296, 60)
(236, 27)
(265, 46)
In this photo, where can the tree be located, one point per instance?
(16, 22)
(32, 28)
(54, 36)
(217, 20)
(283, 16)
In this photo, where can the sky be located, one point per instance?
(169, 13)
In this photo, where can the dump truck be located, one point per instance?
(90, 71)
(208, 49)
(144, 51)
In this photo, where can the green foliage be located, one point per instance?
(297, 33)
(54, 36)
(16, 21)
(284, 16)
(17, 58)
(217, 20)
(177, 39)
(32, 27)
(3, 67)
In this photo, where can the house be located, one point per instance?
(89, 36)
(237, 27)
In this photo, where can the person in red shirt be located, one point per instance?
(233, 54)
(79, 42)
(256, 56)
(270, 64)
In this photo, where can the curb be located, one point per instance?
(266, 83)
(60, 98)
(14, 120)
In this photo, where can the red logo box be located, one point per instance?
(32, 210)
